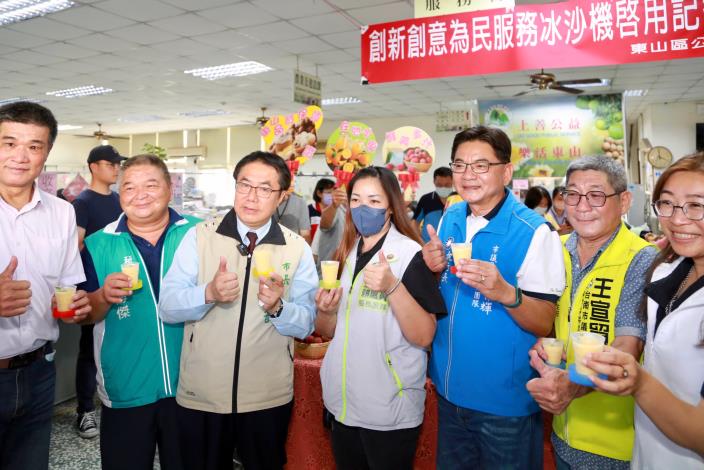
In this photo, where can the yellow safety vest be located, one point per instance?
(598, 423)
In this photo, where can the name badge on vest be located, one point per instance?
(372, 300)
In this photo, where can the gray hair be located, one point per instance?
(614, 171)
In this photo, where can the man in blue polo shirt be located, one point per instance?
(431, 205)
(95, 207)
(498, 303)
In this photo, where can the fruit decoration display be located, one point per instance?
(409, 152)
(293, 137)
(350, 148)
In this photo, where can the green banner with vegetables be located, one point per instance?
(547, 133)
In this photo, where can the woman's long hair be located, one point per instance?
(695, 163)
(391, 188)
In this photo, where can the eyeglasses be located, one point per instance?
(594, 198)
(691, 210)
(478, 167)
(263, 192)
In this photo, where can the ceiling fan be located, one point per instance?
(101, 135)
(259, 121)
(547, 81)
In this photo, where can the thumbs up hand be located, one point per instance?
(553, 390)
(15, 296)
(378, 276)
(434, 252)
(224, 287)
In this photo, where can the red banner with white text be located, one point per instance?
(576, 33)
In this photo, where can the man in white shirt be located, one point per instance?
(38, 251)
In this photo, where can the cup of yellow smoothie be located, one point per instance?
(460, 251)
(64, 298)
(131, 269)
(262, 263)
(553, 348)
(584, 343)
(329, 272)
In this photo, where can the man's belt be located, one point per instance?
(23, 360)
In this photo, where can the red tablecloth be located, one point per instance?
(308, 444)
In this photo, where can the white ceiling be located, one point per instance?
(140, 48)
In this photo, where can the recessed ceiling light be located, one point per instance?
(635, 92)
(239, 69)
(341, 100)
(205, 112)
(68, 127)
(13, 11)
(80, 91)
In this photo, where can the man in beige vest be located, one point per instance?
(236, 378)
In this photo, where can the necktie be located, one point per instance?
(252, 237)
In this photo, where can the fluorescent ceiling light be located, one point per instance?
(205, 112)
(635, 92)
(80, 91)
(604, 82)
(12, 11)
(341, 100)
(239, 69)
(68, 127)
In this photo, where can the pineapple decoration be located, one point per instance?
(350, 148)
(409, 152)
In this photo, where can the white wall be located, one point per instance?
(71, 152)
(672, 125)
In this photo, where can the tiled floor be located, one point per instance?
(68, 451)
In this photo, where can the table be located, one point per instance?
(308, 444)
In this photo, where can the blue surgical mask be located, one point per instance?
(368, 220)
(327, 199)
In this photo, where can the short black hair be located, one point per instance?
(442, 172)
(497, 138)
(27, 112)
(557, 190)
(267, 158)
(322, 185)
(536, 194)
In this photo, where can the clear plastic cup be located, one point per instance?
(553, 348)
(64, 298)
(262, 262)
(461, 251)
(131, 269)
(329, 271)
(584, 343)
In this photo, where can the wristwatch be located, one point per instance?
(278, 310)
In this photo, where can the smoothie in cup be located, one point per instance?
(262, 263)
(460, 251)
(64, 298)
(584, 343)
(553, 348)
(329, 271)
(131, 269)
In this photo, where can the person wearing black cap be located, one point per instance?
(95, 207)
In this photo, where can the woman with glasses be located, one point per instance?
(668, 388)
(382, 320)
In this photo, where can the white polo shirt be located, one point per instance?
(43, 237)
